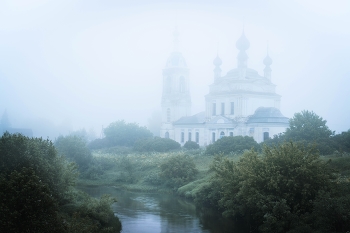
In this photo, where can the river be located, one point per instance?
(163, 213)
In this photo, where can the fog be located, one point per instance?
(73, 64)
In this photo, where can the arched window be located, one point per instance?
(166, 135)
(182, 84)
(189, 136)
(168, 116)
(213, 137)
(222, 134)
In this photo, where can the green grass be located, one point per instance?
(139, 171)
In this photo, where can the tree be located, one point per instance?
(191, 145)
(120, 133)
(178, 170)
(275, 191)
(307, 126)
(227, 145)
(156, 144)
(74, 149)
(342, 141)
(37, 195)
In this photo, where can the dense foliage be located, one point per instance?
(74, 149)
(191, 145)
(156, 144)
(279, 191)
(309, 129)
(227, 145)
(341, 142)
(178, 170)
(35, 185)
(307, 126)
(120, 133)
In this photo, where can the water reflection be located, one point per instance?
(152, 212)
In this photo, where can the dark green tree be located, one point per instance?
(307, 126)
(120, 133)
(191, 145)
(156, 144)
(341, 141)
(74, 148)
(37, 195)
(178, 170)
(275, 191)
(227, 145)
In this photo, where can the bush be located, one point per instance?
(227, 145)
(27, 204)
(274, 192)
(178, 170)
(156, 144)
(99, 143)
(18, 152)
(120, 133)
(35, 184)
(74, 149)
(190, 145)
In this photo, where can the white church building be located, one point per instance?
(242, 102)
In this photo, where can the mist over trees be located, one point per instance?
(279, 191)
(309, 129)
(37, 195)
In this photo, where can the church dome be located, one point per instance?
(217, 61)
(268, 115)
(267, 60)
(242, 43)
(176, 60)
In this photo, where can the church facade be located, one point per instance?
(242, 102)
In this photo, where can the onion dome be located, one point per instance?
(217, 61)
(267, 60)
(242, 43)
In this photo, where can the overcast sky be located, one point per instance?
(84, 63)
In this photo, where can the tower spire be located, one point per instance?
(267, 62)
(242, 45)
(176, 40)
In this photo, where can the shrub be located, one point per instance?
(99, 143)
(74, 149)
(18, 152)
(156, 144)
(227, 145)
(190, 145)
(120, 133)
(35, 184)
(178, 170)
(274, 191)
(27, 204)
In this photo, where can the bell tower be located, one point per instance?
(176, 99)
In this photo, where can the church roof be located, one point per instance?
(268, 115)
(199, 118)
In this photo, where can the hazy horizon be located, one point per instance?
(75, 64)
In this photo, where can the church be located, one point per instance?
(242, 102)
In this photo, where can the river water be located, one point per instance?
(163, 213)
